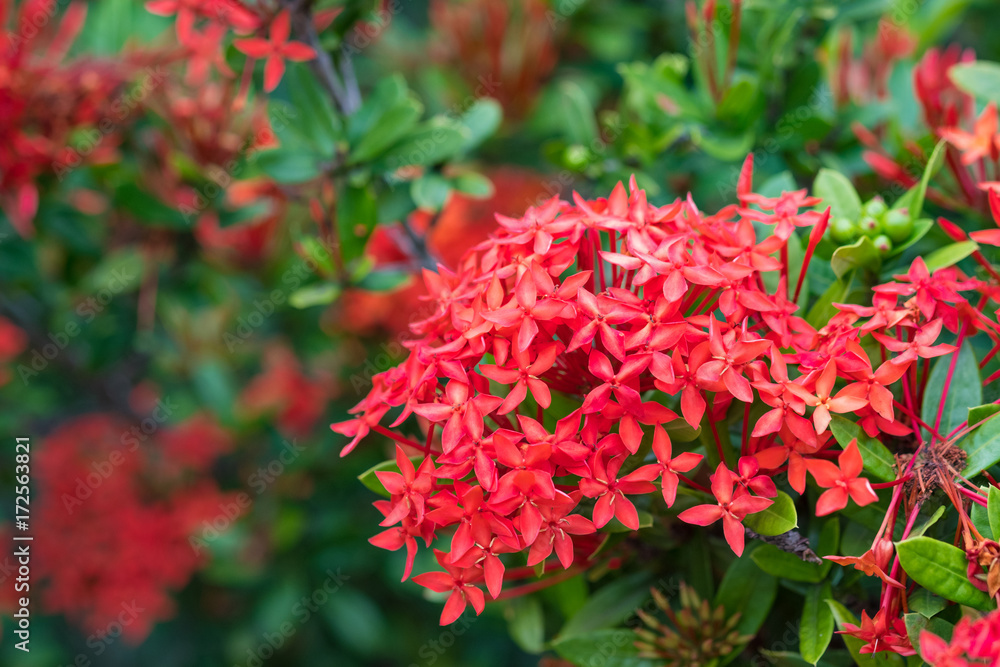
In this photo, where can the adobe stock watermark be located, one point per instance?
(301, 612)
(103, 469)
(233, 509)
(264, 307)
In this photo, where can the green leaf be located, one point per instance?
(933, 164)
(430, 192)
(823, 309)
(933, 519)
(609, 606)
(356, 218)
(965, 389)
(388, 92)
(980, 78)
(917, 623)
(526, 624)
(816, 627)
(288, 166)
(320, 294)
(982, 447)
(313, 116)
(118, 273)
(747, 590)
(385, 280)
(578, 120)
(982, 412)
(738, 101)
(837, 191)
(950, 255)
(613, 648)
(394, 124)
(941, 569)
(926, 603)
(878, 459)
(482, 120)
(786, 565)
(993, 510)
(842, 616)
(862, 254)
(474, 185)
(430, 143)
(149, 210)
(780, 517)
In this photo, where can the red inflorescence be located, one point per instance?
(562, 351)
(116, 510)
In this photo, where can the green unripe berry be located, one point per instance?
(897, 225)
(870, 226)
(883, 244)
(876, 208)
(843, 231)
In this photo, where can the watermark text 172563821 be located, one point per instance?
(22, 540)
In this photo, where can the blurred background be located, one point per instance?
(180, 324)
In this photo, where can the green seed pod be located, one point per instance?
(883, 244)
(843, 231)
(897, 225)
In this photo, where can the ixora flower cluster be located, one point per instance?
(565, 349)
(117, 512)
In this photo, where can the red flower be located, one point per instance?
(276, 49)
(842, 481)
(457, 580)
(731, 508)
(610, 492)
(667, 466)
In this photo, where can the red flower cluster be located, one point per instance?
(561, 349)
(115, 514)
(45, 103)
(974, 642)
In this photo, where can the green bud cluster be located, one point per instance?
(884, 226)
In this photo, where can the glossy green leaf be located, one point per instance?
(747, 590)
(862, 254)
(430, 192)
(481, 120)
(786, 565)
(313, 116)
(993, 511)
(950, 255)
(356, 218)
(288, 166)
(612, 648)
(474, 185)
(980, 78)
(965, 389)
(430, 143)
(780, 517)
(320, 294)
(816, 626)
(982, 447)
(878, 459)
(982, 412)
(933, 164)
(837, 192)
(609, 606)
(391, 126)
(926, 603)
(385, 280)
(389, 91)
(941, 569)
(526, 623)
(934, 518)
